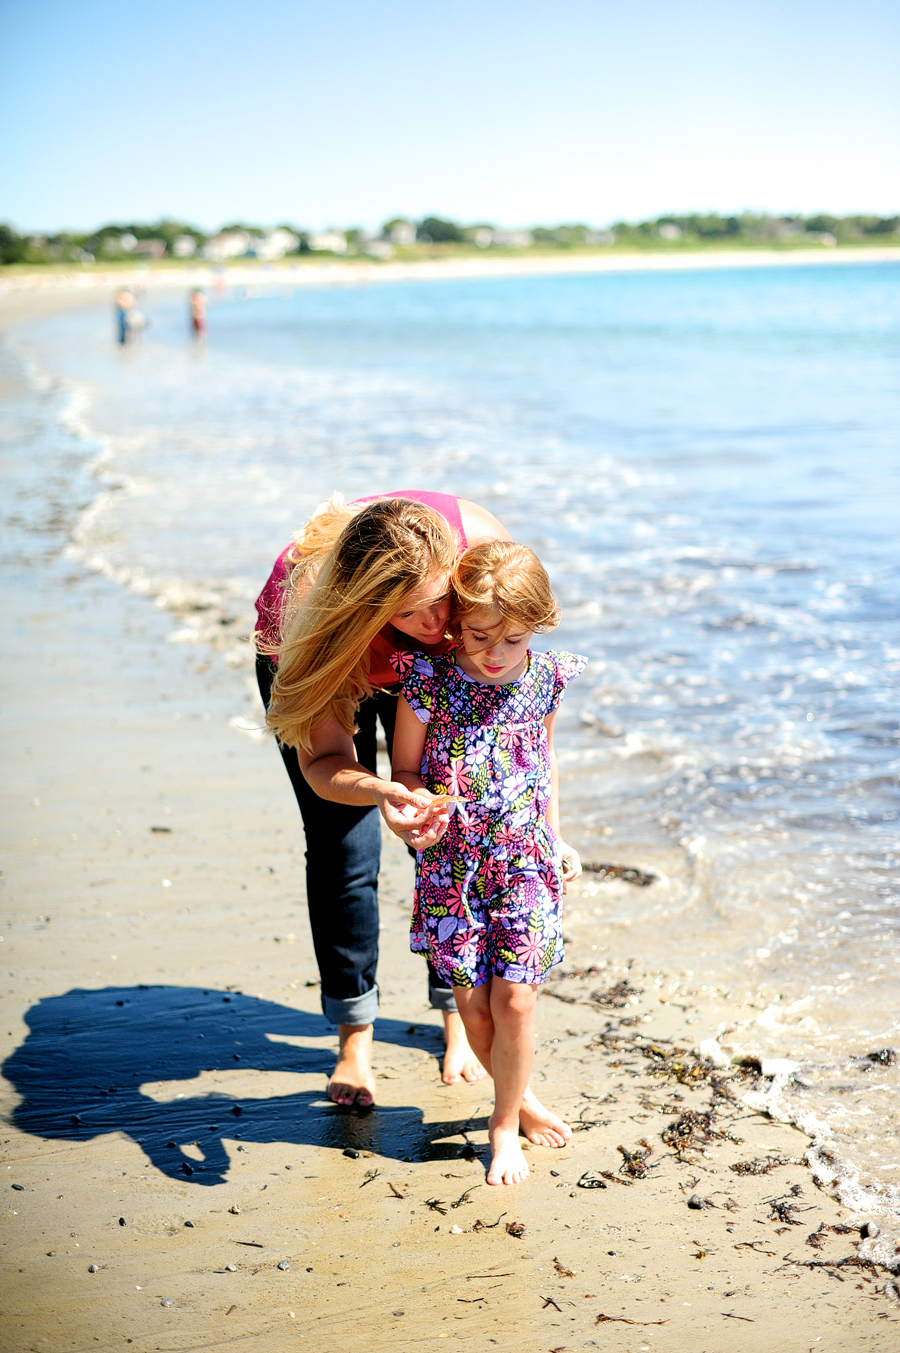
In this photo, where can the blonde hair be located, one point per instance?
(504, 576)
(385, 551)
(304, 559)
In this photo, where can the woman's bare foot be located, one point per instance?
(352, 1082)
(540, 1125)
(460, 1062)
(508, 1165)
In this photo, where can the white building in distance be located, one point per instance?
(328, 240)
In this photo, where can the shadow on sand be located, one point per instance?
(81, 1070)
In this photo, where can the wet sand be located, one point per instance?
(165, 1060)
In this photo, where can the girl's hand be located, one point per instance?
(570, 862)
(419, 818)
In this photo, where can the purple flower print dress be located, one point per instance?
(488, 894)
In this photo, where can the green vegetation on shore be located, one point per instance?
(433, 236)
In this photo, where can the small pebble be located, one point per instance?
(92, 1268)
(190, 1224)
(555, 1174)
(166, 1301)
(235, 1211)
(696, 1202)
(230, 1268)
(610, 1251)
(20, 1188)
(454, 1231)
(398, 1313)
(122, 1221)
(396, 1245)
(869, 1230)
(352, 1152)
(284, 1265)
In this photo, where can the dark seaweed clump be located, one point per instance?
(763, 1164)
(616, 997)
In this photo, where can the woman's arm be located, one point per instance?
(571, 864)
(479, 524)
(333, 772)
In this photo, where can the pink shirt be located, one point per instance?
(270, 602)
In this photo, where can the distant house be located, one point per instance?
(184, 246)
(511, 239)
(670, 231)
(227, 244)
(328, 241)
(274, 244)
(149, 248)
(403, 233)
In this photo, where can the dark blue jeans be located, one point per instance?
(343, 853)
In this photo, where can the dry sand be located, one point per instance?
(51, 290)
(165, 1061)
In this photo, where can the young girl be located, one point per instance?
(476, 725)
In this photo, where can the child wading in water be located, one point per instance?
(477, 725)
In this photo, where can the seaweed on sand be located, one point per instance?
(677, 1063)
(616, 997)
(763, 1164)
(693, 1130)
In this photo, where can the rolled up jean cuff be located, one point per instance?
(442, 998)
(351, 1009)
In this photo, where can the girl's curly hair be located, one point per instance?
(504, 576)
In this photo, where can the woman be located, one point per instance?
(361, 581)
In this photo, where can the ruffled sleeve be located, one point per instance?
(567, 667)
(417, 681)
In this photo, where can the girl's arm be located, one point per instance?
(333, 772)
(571, 864)
(409, 743)
(406, 762)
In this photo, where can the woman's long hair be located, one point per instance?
(386, 551)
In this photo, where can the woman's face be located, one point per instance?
(425, 612)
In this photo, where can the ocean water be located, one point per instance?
(708, 463)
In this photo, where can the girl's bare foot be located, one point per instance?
(352, 1082)
(460, 1062)
(540, 1125)
(508, 1165)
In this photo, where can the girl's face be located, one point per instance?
(494, 650)
(425, 612)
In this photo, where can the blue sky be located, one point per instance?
(509, 112)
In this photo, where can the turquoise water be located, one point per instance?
(708, 463)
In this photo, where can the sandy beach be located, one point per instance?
(176, 1178)
(16, 289)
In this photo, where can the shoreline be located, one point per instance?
(154, 860)
(334, 272)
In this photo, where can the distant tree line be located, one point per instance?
(166, 238)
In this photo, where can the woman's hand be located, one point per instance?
(570, 862)
(419, 818)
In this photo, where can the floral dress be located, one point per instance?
(488, 894)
